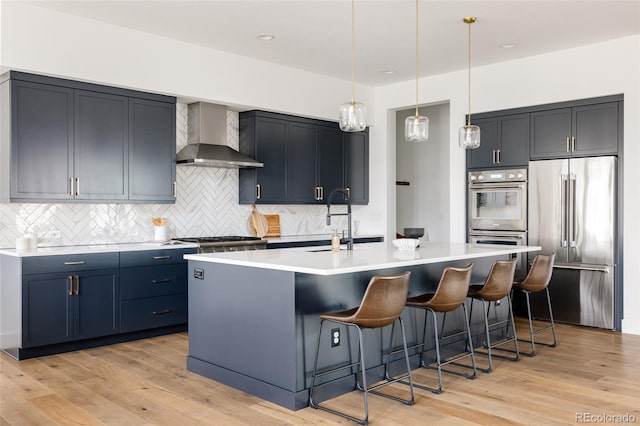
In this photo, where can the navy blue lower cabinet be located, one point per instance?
(62, 307)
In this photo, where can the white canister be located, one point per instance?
(33, 241)
(160, 233)
(22, 243)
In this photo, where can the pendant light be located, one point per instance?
(353, 114)
(469, 136)
(416, 128)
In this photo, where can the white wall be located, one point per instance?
(424, 203)
(596, 70)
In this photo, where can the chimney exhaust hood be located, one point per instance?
(207, 140)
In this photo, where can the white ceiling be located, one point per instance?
(316, 35)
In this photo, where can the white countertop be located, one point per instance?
(98, 248)
(364, 257)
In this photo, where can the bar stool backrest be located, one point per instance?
(540, 273)
(499, 281)
(383, 301)
(452, 289)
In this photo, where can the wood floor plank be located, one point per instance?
(145, 382)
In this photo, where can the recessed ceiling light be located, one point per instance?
(265, 37)
(389, 72)
(508, 45)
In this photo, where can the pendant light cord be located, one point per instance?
(469, 74)
(417, 53)
(353, 50)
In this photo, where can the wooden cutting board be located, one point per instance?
(258, 224)
(273, 225)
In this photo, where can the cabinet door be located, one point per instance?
(152, 150)
(595, 128)
(271, 137)
(41, 141)
(101, 145)
(483, 156)
(95, 308)
(301, 163)
(330, 157)
(46, 310)
(356, 148)
(549, 132)
(513, 134)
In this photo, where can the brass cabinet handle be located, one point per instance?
(70, 186)
(175, 189)
(348, 192)
(77, 186)
(70, 282)
(74, 262)
(258, 192)
(321, 193)
(573, 143)
(498, 155)
(164, 311)
(568, 144)
(161, 281)
(77, 292)
(161, 257)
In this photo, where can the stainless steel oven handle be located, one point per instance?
(578, 267)
(497, 185)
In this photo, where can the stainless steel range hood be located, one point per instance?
(207, 141)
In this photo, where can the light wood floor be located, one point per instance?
(591, 372)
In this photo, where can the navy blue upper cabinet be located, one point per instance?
(152, 150)
(504, 142)
(42, 140)
(356, 149)
(100, 146)
(581, 130)
(304, 159)
(74, 141)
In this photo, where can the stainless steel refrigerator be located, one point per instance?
(572, 213)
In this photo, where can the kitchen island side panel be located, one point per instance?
(242, 320)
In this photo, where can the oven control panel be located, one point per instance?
(488, 176)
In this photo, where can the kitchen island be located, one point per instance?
(253, 315)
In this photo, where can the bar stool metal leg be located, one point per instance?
(532, 333)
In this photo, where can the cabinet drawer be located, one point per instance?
(152, 312)
(153, 257)
(69, 263)
(147, 281)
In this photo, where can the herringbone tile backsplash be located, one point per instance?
(207, 205)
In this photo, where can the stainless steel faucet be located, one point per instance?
(345, 193)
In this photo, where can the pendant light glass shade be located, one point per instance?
(416, 128)
(469, 136)
(353, 115)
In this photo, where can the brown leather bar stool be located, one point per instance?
(381, 306)
(536, 281)
(449, 296)
(496, 287)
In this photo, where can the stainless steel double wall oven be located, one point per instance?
(498, 209)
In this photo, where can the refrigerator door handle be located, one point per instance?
(572, 211)
(563, 210)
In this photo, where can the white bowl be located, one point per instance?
(406, 243)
